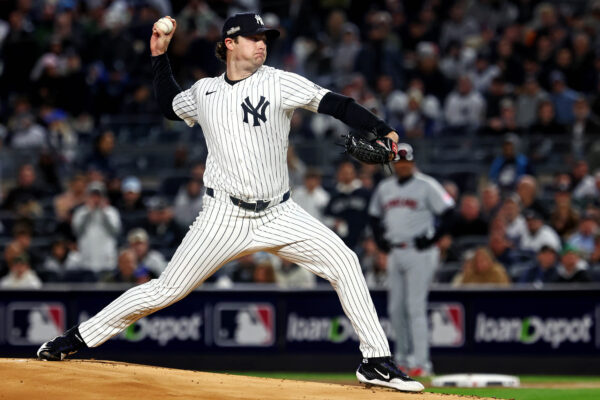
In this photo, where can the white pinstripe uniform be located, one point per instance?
(255, 112)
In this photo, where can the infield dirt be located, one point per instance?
(90, 379)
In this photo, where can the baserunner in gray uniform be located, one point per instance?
(403, 213)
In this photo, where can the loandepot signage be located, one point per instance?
(325, 329)
(164, 329)
(533, 329)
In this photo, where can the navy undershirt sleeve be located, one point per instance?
(353, 114)
(165, 87)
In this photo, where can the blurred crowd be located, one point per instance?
(523, 73)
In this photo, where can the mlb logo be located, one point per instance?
(34, 323)
(446, 324)
(244, 324)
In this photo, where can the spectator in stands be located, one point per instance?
(538, 234)
(511, 165)
(160, 223)
(481, 268)
(585, 125)
(243, 269)
(416, 121)
(527, 189)
(97, 225)
(311, 196)
(505, 122)
(25, 133)
(73, 197)
(11, 250)
(502, 250)
(346, 212)
(188, 202)
(483, 72)
(63, 257)
(379, 55)
(147, 258)
(468, 221)
(24, 199)
(546, 123)
(584, 240)
(23, 234)
(544, 268)
(490, 202)
(130, 199)
(376, 276)
(452, 189)
(464, 108)
(563, 98)
(572, 268)
(20, 275)
(564, 219)
(128, 270)
(528, 102)
(101, 158)
(458, 27)
(582, 183)
(289, 275)
(428, 72)
(515, 227)
(263, 272)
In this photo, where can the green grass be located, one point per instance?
(524, 394)
(500, 393)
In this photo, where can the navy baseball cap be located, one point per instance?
(247, 24)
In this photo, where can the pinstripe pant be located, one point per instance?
(223, 232)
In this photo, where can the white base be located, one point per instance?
(412, 386)
(475, 380)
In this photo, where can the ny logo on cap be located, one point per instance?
(258, 19)
(257, 112)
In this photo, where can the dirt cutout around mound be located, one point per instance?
(84, 379)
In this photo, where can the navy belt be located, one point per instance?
(259, 205)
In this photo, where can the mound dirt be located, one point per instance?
(90, 379)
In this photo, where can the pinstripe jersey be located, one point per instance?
(246, 126)
(408, 210)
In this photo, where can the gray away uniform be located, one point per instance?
(408, 211)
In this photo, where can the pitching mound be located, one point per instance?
(82, 379)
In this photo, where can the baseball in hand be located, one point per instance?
(165, 25)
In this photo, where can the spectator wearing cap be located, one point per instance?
(563, 98)
(148, 258)
(528, 101)
(428, 71)
(464, 108)
(510, 165)
(20, 275)
(188, 202)
(160, 223)
(483, 72)
(311, 196)
(572, 268)
(584, 239)
(544, 269)
(564, 219)
(131, 196)
(97, 225)
(538, 234)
